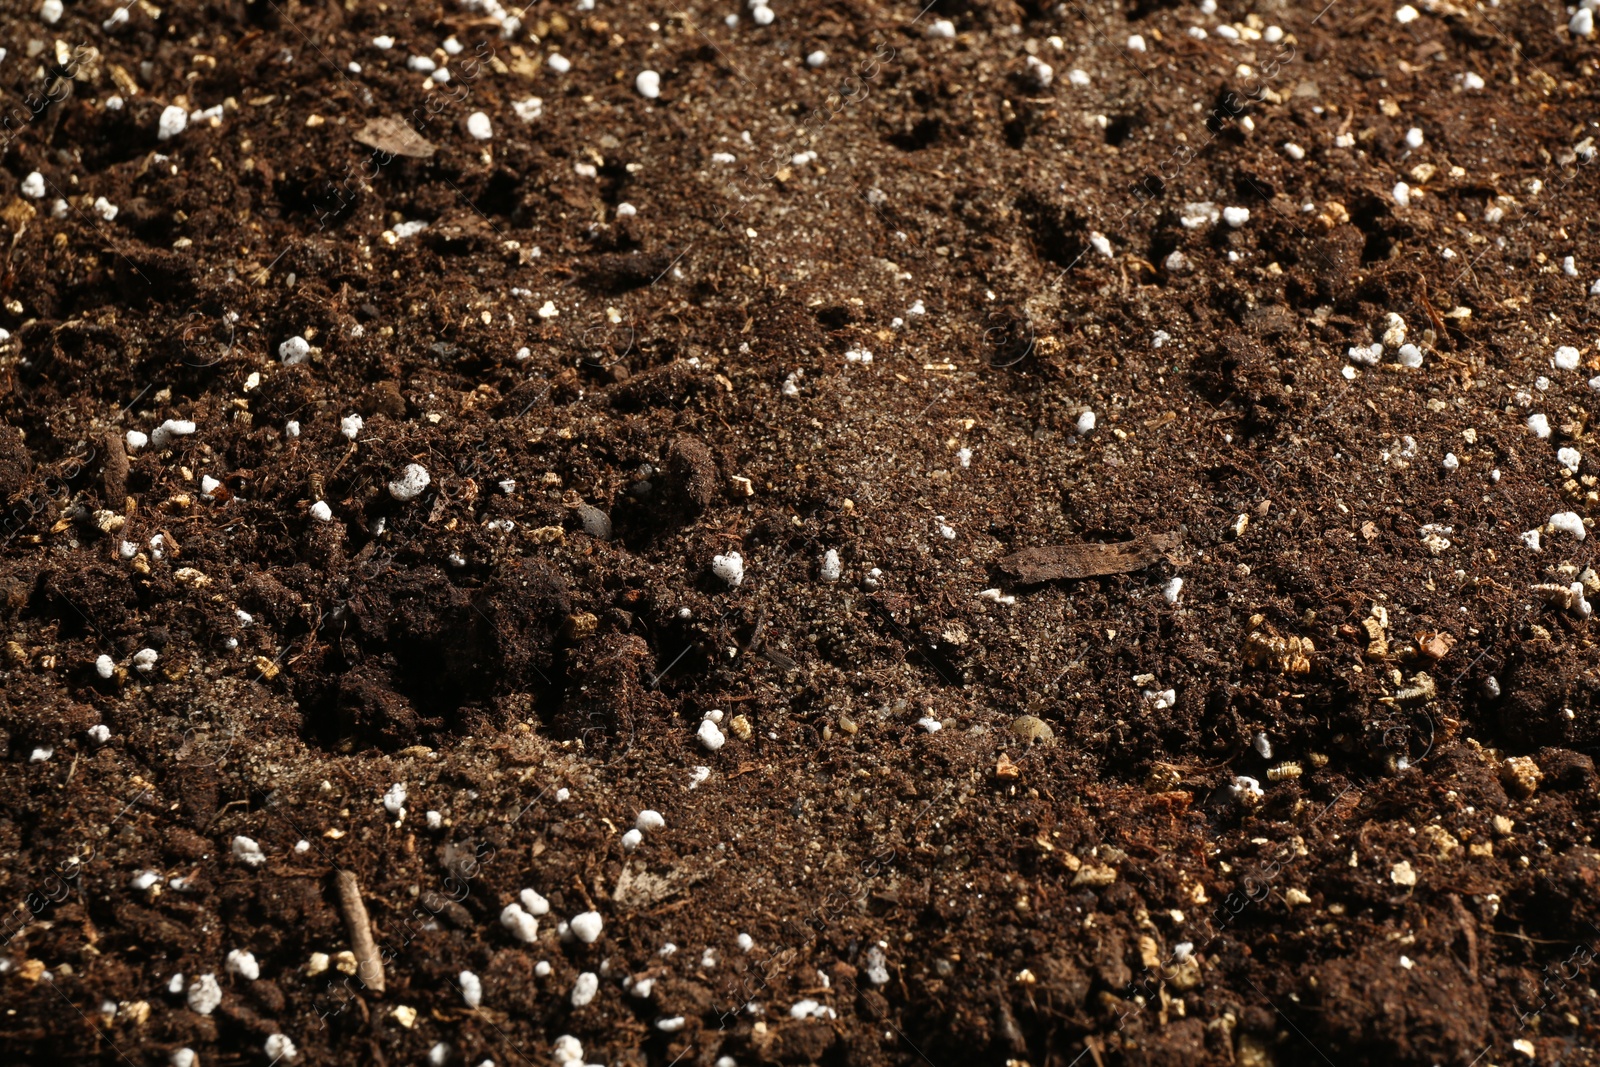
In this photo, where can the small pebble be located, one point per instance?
(247, 852)
(279, 1048)
(1568, 522)
(1245, 789)
(523, 927)
(729, 568)
(394, 801)
(596, 523)
(1031, 728)
(587, 926)
(162, 436)
(294, 350)
(710, 736)
(471, 989)
(204, 995)
(411, 483)
(173, 121)
(830, 570)
(244, 965)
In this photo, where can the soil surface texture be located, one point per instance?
(827, 532)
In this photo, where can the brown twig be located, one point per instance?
(114, 474)
(369, 965)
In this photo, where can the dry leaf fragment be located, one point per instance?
(1050, 562)
(391, 134)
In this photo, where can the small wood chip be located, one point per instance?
(1436, 646)
(369, 965)
(391, 134)
(114, 475)
(1088, 560)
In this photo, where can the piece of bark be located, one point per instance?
(114, 473)
(369, 965)
(391, 134)
(1050, 562)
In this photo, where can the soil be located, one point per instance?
(1035, 825)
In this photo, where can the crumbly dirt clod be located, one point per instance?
(955, 817)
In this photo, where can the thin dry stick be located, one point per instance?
(369, 965)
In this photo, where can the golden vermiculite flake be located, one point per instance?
(1286, 655)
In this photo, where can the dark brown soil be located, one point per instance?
(533, 660)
